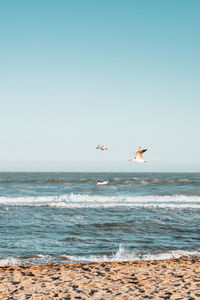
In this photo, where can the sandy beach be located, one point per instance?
(166, 279)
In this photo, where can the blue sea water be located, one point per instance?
(67, 217)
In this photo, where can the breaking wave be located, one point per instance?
(85, 200)
(121, 255)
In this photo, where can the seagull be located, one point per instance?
(102, 182)
(102, 147)
(138, 155)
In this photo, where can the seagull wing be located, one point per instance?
(144, 150)
(139, 153)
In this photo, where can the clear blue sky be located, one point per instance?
(75, 74)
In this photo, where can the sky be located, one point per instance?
(74, 74)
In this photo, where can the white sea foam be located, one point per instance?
(121, 255)
(30, 200)
(168, 205)
(10, 261)
(80, 200)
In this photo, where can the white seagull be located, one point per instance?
(138, 155)
(102, 147)
(102, 182)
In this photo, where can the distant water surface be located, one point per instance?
(67, 217)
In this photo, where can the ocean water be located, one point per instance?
(67, 217)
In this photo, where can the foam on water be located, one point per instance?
(14, 261)
(121, 255)
(109, 205)
(79, 200)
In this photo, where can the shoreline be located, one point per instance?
(155, 279)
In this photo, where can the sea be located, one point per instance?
(68, 218)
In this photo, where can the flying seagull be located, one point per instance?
(102, 147)
(138, 155)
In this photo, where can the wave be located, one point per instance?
(125, 180)
(47, 181)
(85, 200)
(121, 255)
(136, 205)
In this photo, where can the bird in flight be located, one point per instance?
(138, 155)
(102, 147)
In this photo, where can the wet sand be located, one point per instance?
(166, 279)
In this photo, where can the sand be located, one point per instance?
(166, 279)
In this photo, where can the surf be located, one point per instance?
(85, 200)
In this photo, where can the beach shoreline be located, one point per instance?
(156, 279)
